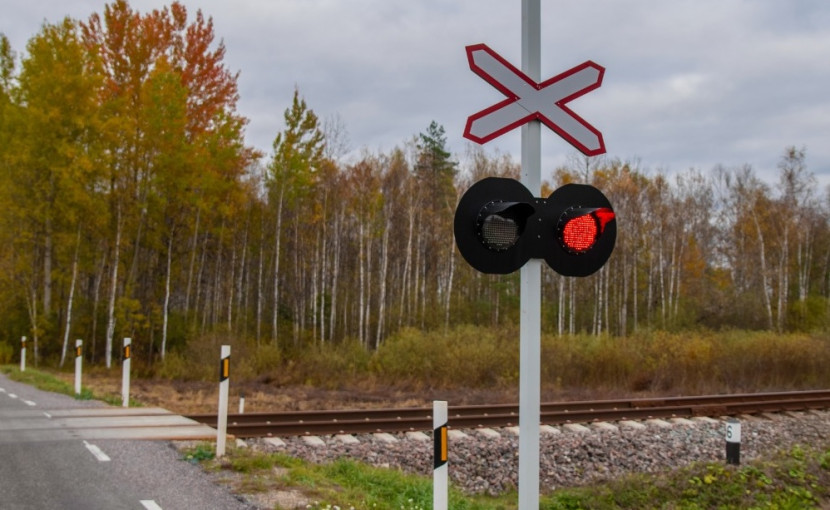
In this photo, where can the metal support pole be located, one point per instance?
(78, 362)
(440, 478)
(125, 372)
(224, 384)
(531, 282)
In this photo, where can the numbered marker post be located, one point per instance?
(224, 383)
(733, 441)
(78, 361)
(125, 373)
(23, 354)
(440, 478)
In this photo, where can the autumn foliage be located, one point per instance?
(132, 206)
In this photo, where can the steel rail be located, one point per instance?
(361, 421)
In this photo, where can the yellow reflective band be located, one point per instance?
(126, 352)
(77, 352)
(443, 444)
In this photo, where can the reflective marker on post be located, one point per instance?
(125, 373)
(440, 479)
(78, 361)
(733, 441)
(224, 383)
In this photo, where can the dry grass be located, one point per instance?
(473, 365)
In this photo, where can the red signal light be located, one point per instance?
(580, 233)
(582, 228)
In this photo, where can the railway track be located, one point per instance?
(298, 423)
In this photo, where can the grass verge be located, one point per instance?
(796, 479)
(49, 382)
(341, 484)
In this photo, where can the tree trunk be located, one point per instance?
(166, 311)
(69, 301)
(96, 298)
(194, 248)
(764, 282)
(277, 237)
(384, 265)
(47, 266)
(259, 291)
(335, 273)
(361, 282)
(113, 290)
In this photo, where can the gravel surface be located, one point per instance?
(480, 464)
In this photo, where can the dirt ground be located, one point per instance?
(187, 397)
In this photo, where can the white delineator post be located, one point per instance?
(241, 403)
(440, 473)
(224, 383)
(125, 373)
(78, 362)
(530, 292)
(23, 354)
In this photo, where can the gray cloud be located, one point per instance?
(688, 83)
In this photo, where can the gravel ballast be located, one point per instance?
(479, 464)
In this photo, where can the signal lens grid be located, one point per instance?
(580, 233)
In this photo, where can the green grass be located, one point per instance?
(797, 479)
(343, 483)
(48, 382)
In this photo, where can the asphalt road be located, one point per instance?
(41, 469)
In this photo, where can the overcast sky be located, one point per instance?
(688, 83)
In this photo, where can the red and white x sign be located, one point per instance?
(528, 100)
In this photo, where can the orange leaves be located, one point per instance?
(132, 46)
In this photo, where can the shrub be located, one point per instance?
(6, 353)
(461, 356)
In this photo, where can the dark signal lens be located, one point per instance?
(499, 233)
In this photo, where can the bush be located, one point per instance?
(462, 356)
(6, 353)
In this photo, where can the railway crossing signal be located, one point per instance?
(528, 100)
(499, 225)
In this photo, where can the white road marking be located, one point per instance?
(94, 450)
(12, 395)
(29, 403)
(2, 390)
(47, 415)
(149, 504)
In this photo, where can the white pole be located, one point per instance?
(23, 354)
(530, 282)
(241, 403)
(224, 383)
(125, 373)
(440, 474)
(78, 361)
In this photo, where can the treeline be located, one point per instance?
(133, 207)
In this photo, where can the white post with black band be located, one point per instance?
(733, 441)
(125, 372)
(224, 383)
(440, 476)
(78, 362)
(23, 354)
